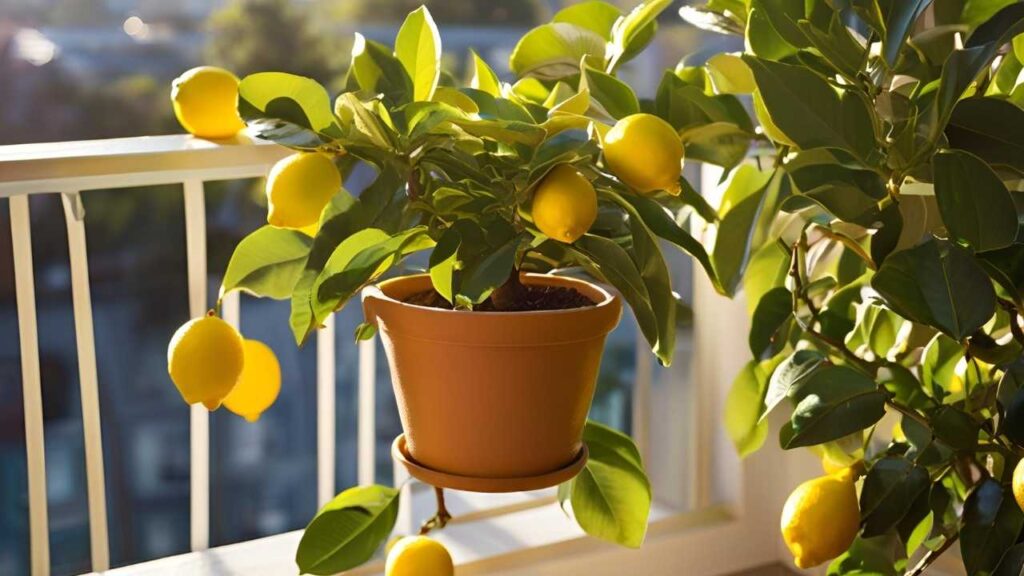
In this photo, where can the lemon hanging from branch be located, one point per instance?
(564, 204)
(205, 101)
(645, 153)
(821, 518)
(259, 383)
(298, 188)
(205, 358)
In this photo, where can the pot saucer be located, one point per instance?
(473, 484)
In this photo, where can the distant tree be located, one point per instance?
(247, 36)
(470, 12)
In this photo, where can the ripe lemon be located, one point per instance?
(205, 358)
(645, 152)
(298, 188)
(419, 556)
(205, 100)
(821, 518)
(564, 204)
(259, 384)
(1018, 484)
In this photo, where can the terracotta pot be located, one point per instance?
(492, 394)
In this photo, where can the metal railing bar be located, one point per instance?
(366, 438)
(108, 182)
(24, 286)
(325, 412)
(74, 214)
(642, 397)
(199, 421)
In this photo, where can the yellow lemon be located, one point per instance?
(205, 358)
(821, 518)
(564, 204)
(205, 100)
(259, 383)
(419, 556)
(298, 188)
(767, 124)
(645, 152)
(1018, 484)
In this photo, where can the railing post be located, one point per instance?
(74, 216)
(325, 412)
(367, 434)
(199, 420)
(25, 290)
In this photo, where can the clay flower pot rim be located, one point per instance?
(608, 300)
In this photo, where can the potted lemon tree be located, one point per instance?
(493, 355)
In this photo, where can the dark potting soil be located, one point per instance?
(532, 298)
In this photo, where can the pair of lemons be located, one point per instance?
(642, 150)
(210, 363)
(205, 101)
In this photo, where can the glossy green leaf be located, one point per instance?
(553, 51)
(810, 111)
(744, 225)
(939, 284)
(484, 78)
(955, 427)
(899, 18)
(418, 48)
(348, 530)
(720, 143)
(834, 402)
(267, 263)
(377, 71)
(768, 268)
(594, 15)
(611, 496)
(837, 45)
(938, 365)
(891, 487)
(481, 278)
(975, 205)
(444, 261)
(742, 418)
(1012, 563)
(286, 108)
(614, 96)
(992, 522)
(990, 128)
(787, 378)
(634, 31)
(774, 309)
(869, 557)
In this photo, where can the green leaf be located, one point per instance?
(720, 143)
(348, 530)
(990, 128)
(635, 30)
(654, 271)
(1006, 267)
(763, 39)
(484, 78)
(834, 402)
(938, 364)
(743, 409)
(992, 522)
(810, 112)
(975, 205)
(939, 284)
(869, 557)
(768, 268)
(616, 266)
(479, 280)
(553, 51)
(955, 427)
(595, 15)
(615, 97)
(665, 227)
(899, 18)
(787, 378)
(286, 108)
(890, 489)
(774, 309)
(684, 105)
(744, 225)
(418, 48)
(377, 71)
(611, 496)
(1012, 563)
(444, 262)
(838, 46)
(267, 263)
(360, 259)
(365, 331)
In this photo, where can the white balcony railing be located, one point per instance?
(727, 522)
